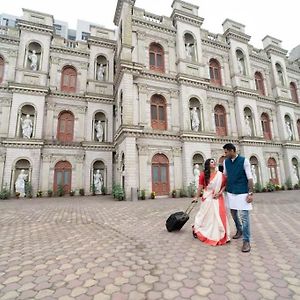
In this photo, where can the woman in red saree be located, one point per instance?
(211, 223)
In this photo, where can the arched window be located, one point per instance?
(220, 120)
(62, 176)
(298, 128)
(272, 166)
(266, 127)
(215, 72)
(293, 89)
(65, 127)
(241, 62)
(198, 159)
(279, 73)
(190, 47)
(259, 83)
(160, 174)
(1, 68)
(158, 112)
(68, 80)
(156, 57)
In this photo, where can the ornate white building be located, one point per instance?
(143, 104)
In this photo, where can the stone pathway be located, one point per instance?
(98, 248)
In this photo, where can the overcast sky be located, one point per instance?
(279, 19)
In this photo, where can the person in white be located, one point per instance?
(248, 126)
(239, 192)
(98, 182)
(253, 171)
(26, 125)
(289, 130)
(99, 131)
(20, 183)
(100, 74)
(196, 172)
(195, 119)
(34, 61)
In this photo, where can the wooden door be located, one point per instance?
(62, 176)
(65, 127)
(160, 175)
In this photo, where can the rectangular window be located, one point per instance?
(159, 60)
(216, 74)
(152, 59)
(153, 112)
(85, 36)
(217, 120)
(59, 178)
(155, 176)
(66, 177)
(211, 73)
(163, 174)
(161, 113)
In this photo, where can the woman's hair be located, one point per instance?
(207, 170)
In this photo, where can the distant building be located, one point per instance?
(143, 103)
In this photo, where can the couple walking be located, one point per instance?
(211, 222)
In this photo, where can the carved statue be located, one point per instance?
(253, 171)
(196, 172)
(98, 182)
(189, 51)
(20, 183)
(289, 130)
(195, 122)
(248, 126)
(34, 61)
(27, 126)
(241, 65)
(99, 131)
(100, 73)
(295, 175)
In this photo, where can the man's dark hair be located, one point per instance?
(229, 147)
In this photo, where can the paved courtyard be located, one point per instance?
(98, 248)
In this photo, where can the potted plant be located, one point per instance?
(81, 192)
(49, 193)
(17, 195)
(152, 195)
(143, 194)
(173, 194)
(103, 190)
(4, 193)
(39, 193)
(28, 189)
(60, 190)
(72, 193)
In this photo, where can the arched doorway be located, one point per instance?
(272, 166)
(62, 176)
(160, 175)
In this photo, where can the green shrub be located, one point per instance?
(4, 193)
(289, 184)
(183, 193)
(258, 187)
(28, 189)
(270, 187)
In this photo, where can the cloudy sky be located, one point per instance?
(279, 19)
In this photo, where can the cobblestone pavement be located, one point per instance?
(98, 248)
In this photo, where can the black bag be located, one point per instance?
(176, 220)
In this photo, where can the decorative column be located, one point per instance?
(175, 125)
(45, 172)
(2, 162)
(143, 156)
(177, 152)
(78, 171)
(144, 118)
(50, 132)
(231, 120)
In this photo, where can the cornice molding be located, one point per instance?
(151, 25)
(28, 88)
(35, 27)
(72, 51)
(185, 17)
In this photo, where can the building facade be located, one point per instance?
(144, 103)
